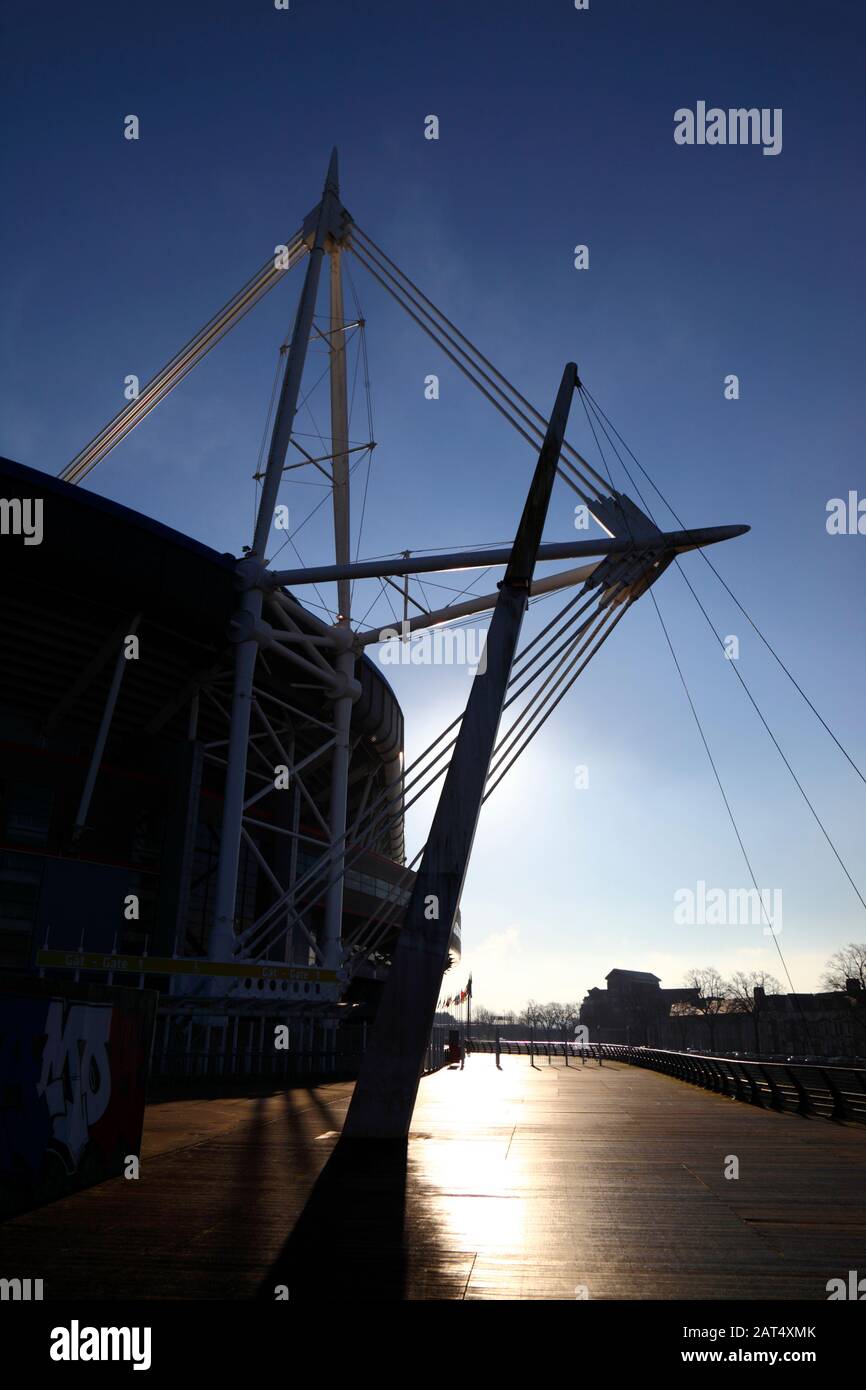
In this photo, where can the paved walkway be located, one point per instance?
(524, 1183)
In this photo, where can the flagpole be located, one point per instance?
(468, 1013)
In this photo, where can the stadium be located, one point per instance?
(113, 786)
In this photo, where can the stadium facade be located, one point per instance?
(115, 689)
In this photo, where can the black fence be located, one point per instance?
(242, 1047)
(542, 1048)
(835, 1093)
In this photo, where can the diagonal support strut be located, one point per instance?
(384, 1096)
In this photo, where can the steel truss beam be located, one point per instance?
(679, 541)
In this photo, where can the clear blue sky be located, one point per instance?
(556, 128)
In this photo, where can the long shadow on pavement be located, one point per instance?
(350, 1238)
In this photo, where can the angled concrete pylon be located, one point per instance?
(384, 1097)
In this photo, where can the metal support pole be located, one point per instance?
(345, 662)
(221, 942)
(384, 1097)
(102, 733)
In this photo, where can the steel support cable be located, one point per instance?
(778, 748)
(367, 823)
(475, 354)
(759, 712)
(370, 608)
(729, 591)
(570, 638)
(396, 293)
(367, 936)
(301, 524)
(468, 619)
(355, 941)
(368, 396)
(538, 700)
(567, 652)
(180, 365)
(383, 810)
(549, 711)
(731, 816)
(432, 330)
(358, 940)
(544, 631)
(534, 439)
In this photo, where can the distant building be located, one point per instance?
(829, 1024)
(631, 1004)
(634, 1009)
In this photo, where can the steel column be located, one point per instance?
(102, 733)
(345, 661)
(222, 942)
(384, 1097)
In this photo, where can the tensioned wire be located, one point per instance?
(724, 585)
(753, 701)
(385, 806)
(396, 290)
(514, 397)
(181, 364)
(746, 857)
(697, 719)
(510, 739)
(393, 288)
(386, 921)
(384, 915)
(589, 491)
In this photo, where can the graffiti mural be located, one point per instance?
(73, 1065)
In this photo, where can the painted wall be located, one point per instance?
(73, 1068)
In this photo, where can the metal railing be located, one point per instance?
(437, 1049)
(241, 1047)
(806, 1088)
(543, 1048)
(238, 1048)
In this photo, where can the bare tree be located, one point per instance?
(847, 964)
(554, 1016)
(571, 1017)
(533, 1014)
(711, 994)
(741, 989)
